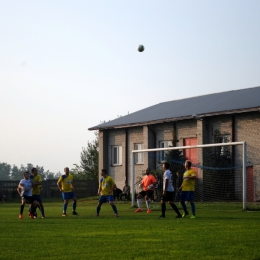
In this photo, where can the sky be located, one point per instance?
(66, 66)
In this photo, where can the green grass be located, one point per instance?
(220, 231)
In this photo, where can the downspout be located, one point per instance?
(154, 140)
(126, 155)
(233, 139)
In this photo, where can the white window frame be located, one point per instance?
(224, 139)
(139, 157)
(164, 144)
(116, 155)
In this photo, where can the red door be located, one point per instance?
(191, 154)
(250, 183)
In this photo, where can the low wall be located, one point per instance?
(82, 189)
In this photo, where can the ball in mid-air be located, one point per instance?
(140, 48)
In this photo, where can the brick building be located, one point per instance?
(232, 116)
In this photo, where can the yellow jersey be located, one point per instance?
(188, 184)
(106, 185)
(36, 189)
(66, 182)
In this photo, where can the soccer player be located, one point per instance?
(105, 190)
(148, 183)
(187, 189)
(19, 190)
(65, 185)
(25, 191)
(36, 189)
(168, 191)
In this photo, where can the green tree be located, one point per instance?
(5, 171)
(88, 168)
(17, 173)
(176, 160)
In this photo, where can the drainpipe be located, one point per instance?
(233, 139)
(154, 138)
(126, 155)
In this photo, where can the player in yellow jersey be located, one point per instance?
(187, 189)
(105, 189)
(65, 185)
(36, 189)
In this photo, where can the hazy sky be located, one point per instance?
(65, 66)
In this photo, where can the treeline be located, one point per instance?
(8, 172)
(86, 170)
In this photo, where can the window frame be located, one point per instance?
(162, 145)
(138, 157)
(119, 155)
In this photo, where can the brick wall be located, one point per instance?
(239, 127)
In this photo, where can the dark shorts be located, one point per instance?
(104, 199)
(37, 198)
(28, 199)
(187, 195)
(169, 196)
(148, 193)
(68, 195)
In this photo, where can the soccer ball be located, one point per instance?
(149, 187)
(140, 48)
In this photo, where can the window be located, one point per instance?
(139, 157)
(222, 151)
(116, 155)
(164, 144)
(225, 150)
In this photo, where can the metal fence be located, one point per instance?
(49, 189)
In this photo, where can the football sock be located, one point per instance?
(21, 209)
(163, 209)
(32, 209)
(98, 210)
(175, 209)
(192, 208)
(184, 207)
(114, 208)
(65, 207)
(74, 205)
(139, 203)
(42, 210)
(147, 204)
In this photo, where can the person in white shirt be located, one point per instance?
(25, 191)
(168, 191)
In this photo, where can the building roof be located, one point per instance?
(229, 102)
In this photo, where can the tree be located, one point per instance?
(17, 173)
(88, 168)
(176, 159)
(5, 171)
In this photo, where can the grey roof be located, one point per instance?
(235, 101)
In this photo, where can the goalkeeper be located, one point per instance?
(148, 183)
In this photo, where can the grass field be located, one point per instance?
(220, 231)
